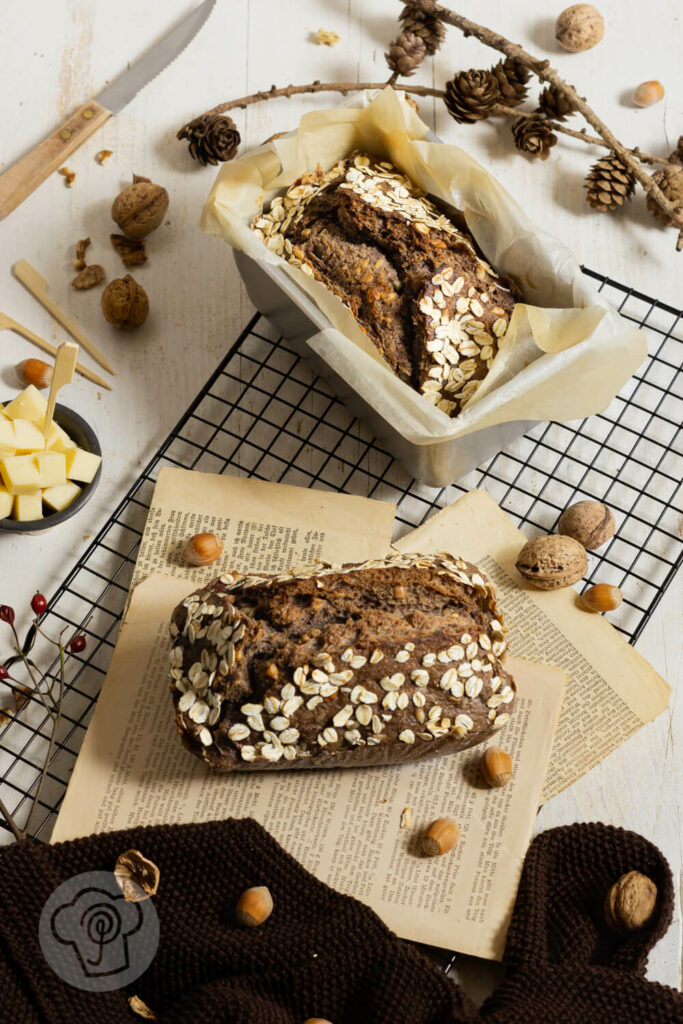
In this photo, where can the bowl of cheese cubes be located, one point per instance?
(44, 480)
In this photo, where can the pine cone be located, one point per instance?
(533, 135)
(406, 53)
(470, 95)
(670, 180)
(427, 26)
(213, 138)
(609, 183)
(512, 78)
(554, 104)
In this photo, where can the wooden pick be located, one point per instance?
(6, 322)
(65, 365)
(37, 285)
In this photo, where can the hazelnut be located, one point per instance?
(601, 598)
(141, 1009)
(34, 371)
(589, 522)
(552, 562)
(202, 549)
(440, 837)
(254, 906)
(136, 876)
(496, 767)
(631, 901)
(579, 27)
(648, 93)
(125, 303)
(140, 208)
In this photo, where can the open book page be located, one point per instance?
(612, 689)
(343, 825)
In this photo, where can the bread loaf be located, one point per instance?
(378, 663)
(413, 280)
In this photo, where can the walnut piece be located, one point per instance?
(323, 37)
(140, 1008)
(131, 250)
(103, 155)
(589, 522)
(579, 27)
(125, 303)
(631, 902)
(81, 245)
(136, 876)
(552, 562)
(69, 176)
(140, 208)
(89, 277)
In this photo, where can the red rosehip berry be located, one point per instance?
(4, 674)
(77, 644)
(7, 614)
(38, 603)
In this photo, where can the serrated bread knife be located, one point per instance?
(23, 177)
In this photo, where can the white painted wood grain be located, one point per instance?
(57, 53)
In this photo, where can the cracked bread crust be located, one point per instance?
(414, 282)
(385, 662)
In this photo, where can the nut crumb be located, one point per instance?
(406, 817)
(325, 38)
(103, 155)
(69, 176)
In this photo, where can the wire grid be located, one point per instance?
(263, 413)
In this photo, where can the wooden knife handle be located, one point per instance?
(27, 174)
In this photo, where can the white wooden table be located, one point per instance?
(57, 53)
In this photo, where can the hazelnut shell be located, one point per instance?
(589, 522)
(125, 303)
(140, 208)
(552, 562)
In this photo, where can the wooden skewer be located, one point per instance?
(37, 285)
(13, 325)
(63, 373)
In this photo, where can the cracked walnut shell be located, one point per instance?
(125, 303)
(136, 876)
(140, 208)
(552, 562)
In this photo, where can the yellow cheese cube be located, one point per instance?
(6, 501)
(58, 498)
(51, 469)
(29, 405)
(58, 439)
(7, 434)
(28, 507)
(28, 437)
(19, 474)
(81, 465)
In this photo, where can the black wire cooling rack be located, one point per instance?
(264, 414)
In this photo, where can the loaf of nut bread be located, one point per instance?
(412, 278)
(374, 663)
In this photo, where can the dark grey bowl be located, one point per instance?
(85, 437)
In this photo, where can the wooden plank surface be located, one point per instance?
(57, 54)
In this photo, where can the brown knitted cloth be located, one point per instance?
(565, 966)
(326, 955)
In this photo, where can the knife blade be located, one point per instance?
(31, 170)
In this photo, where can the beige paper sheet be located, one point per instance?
(342, 825)
(612, 690)
(566, 354)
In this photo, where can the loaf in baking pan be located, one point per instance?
(413, 280)
(381, 662)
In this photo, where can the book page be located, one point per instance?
(612, 690)
(342, 824)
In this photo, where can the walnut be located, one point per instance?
(631, 901)
(579, 27)
(136, 876)
(131, 250)
(140, 208)
(125, 303)
(589, 522)
(89, 277)
(552, 562)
